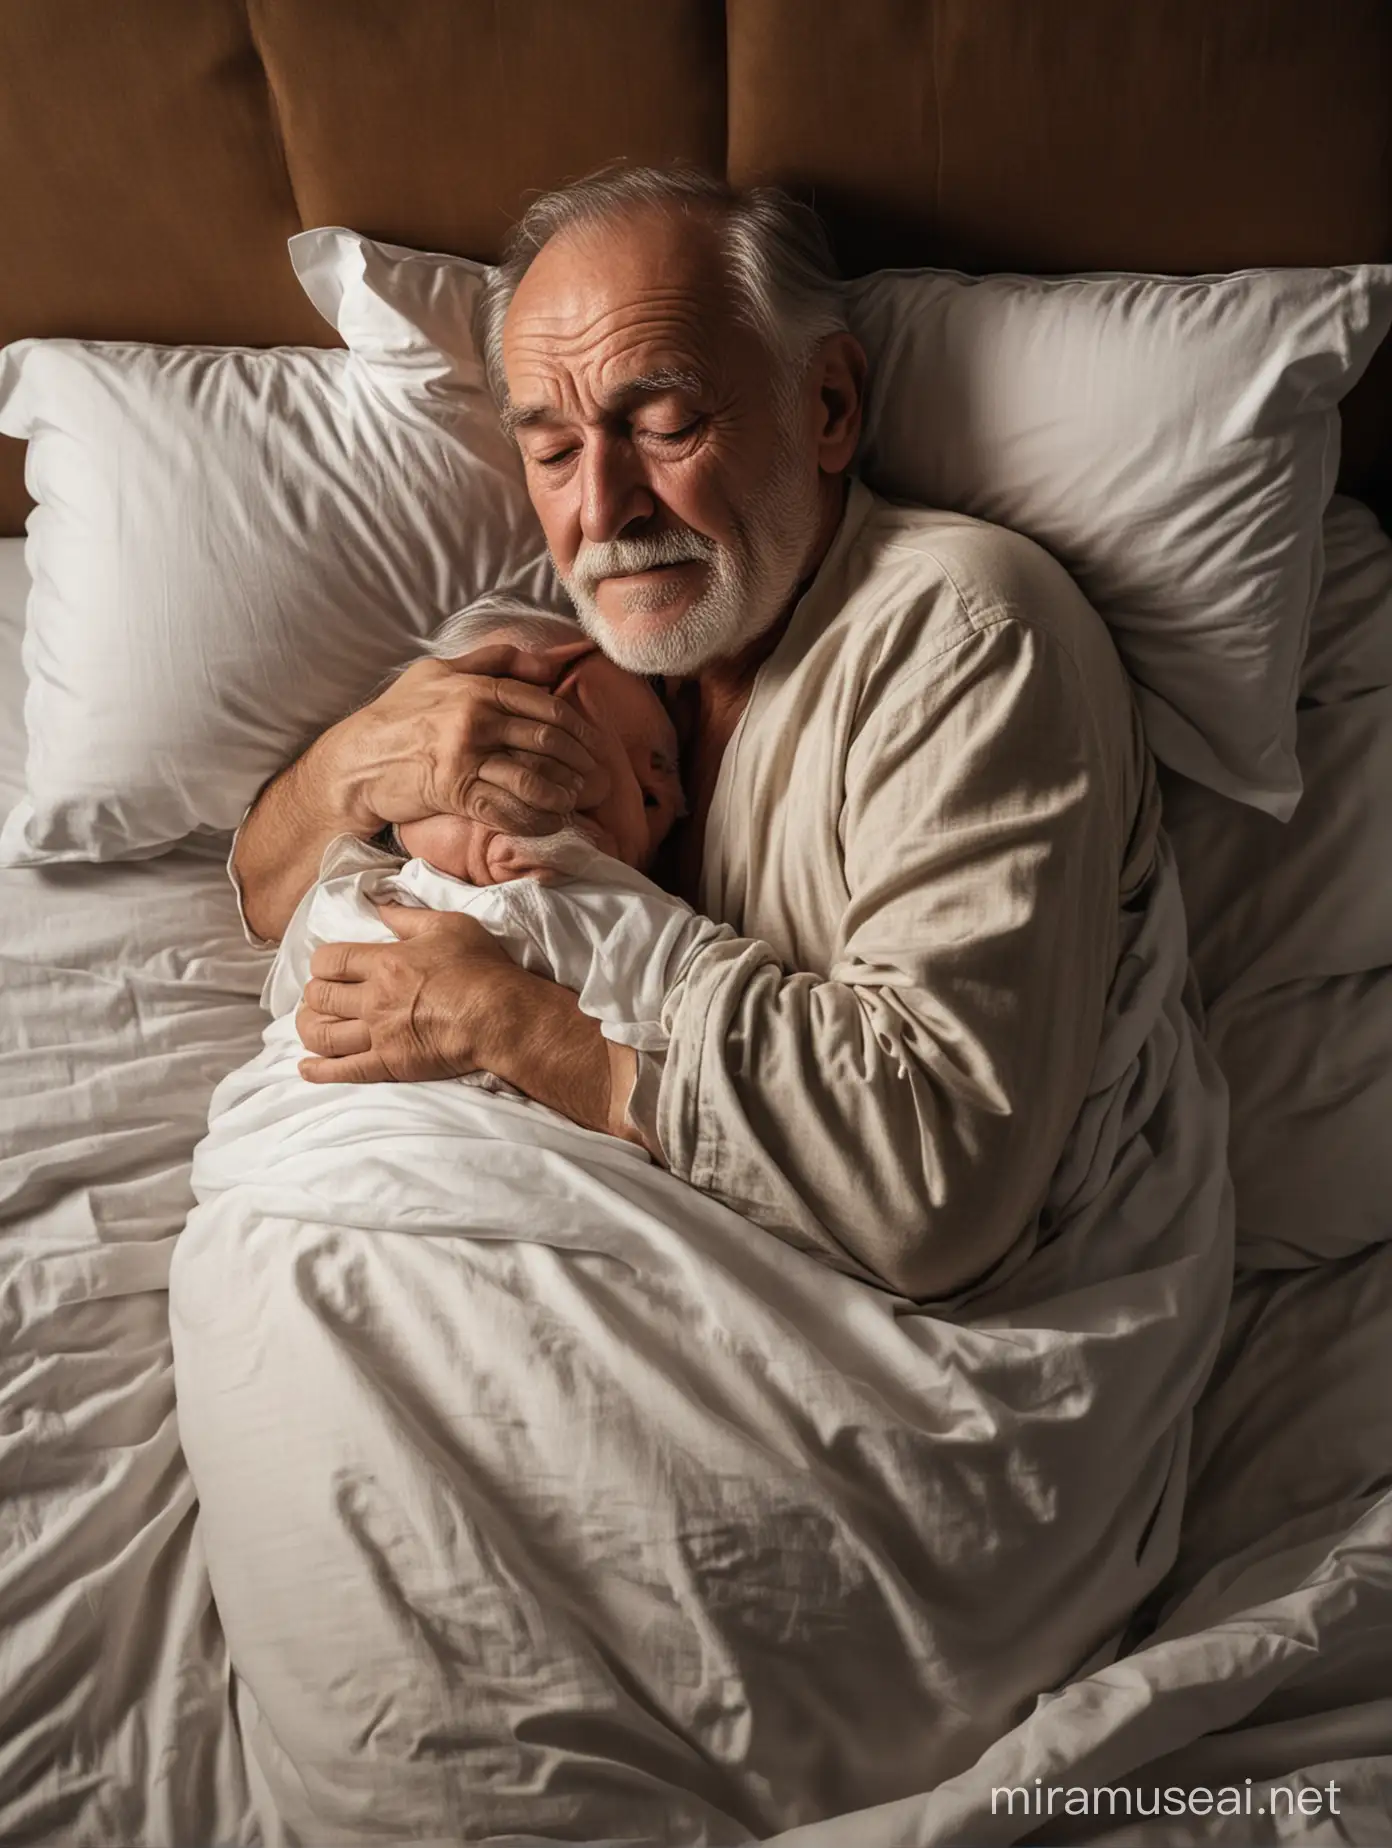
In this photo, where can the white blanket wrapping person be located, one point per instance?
(545, 1498)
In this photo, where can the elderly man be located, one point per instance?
(919, 791)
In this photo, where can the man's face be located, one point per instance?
(676, 484)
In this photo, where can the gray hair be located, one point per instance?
(781, 267)
(498, 616)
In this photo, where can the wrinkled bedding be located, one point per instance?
(1274, 1654)
(1264, 1652)
(127, 992)
(541, 1492)
(1291, 936)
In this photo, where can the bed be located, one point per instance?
(129, 989)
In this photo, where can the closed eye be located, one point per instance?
(676, 436)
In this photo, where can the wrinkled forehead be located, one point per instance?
(604, 303)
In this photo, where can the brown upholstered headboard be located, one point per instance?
(155, 155)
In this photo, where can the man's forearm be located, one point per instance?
(558, 1056)
(283, 838)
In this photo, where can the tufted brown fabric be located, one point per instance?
(154, 156)
(429, 123)
(1053, 135)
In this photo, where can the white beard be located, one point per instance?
(750, 581)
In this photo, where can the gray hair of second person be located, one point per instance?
(781, 269)
(500, 616)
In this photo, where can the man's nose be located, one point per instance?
(613, 489)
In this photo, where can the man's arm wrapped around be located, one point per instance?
(902, 1115)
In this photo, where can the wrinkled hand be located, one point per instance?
(480, 737)
(446, 999)
(434, 1004)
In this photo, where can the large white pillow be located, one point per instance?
(232, 547)
(14, 594)
(1172, 441)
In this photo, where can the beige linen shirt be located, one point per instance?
(925, 826)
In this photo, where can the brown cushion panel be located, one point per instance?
(1162, 134)
(429, 123)
(14, 502)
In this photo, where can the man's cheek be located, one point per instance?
(560, 522)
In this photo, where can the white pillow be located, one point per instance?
(232, 547)
(1173, 441)
(14, 594)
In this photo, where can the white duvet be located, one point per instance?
(542, 1494)
(128, 992)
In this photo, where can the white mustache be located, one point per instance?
(623, 557)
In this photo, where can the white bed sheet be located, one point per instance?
(127, 992)
(1291, 936)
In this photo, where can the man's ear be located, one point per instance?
(840, 370)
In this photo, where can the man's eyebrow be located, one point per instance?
(654, 385)
(632, 391)
(515, 417)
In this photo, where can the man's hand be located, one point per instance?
(433, 1005)
(447, 999)
(481, 737)
(447, 737)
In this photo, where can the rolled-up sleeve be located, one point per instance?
(902, 1114)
